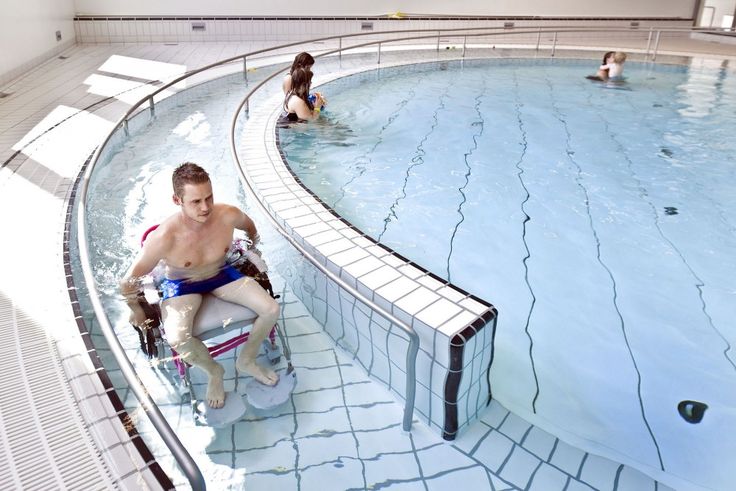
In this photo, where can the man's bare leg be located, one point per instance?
(248, 293)
(178, 315)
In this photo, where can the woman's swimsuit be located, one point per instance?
(176, 288)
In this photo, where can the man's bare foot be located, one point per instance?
(216, 389)
(264, 375)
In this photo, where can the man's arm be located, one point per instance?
(244, 222)
(131, 285)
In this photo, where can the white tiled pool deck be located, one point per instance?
(342, 430)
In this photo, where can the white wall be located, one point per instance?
(27, 33)
(722, 7)
(584, 8)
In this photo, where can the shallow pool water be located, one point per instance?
(599, 219)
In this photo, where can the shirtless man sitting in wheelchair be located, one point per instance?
(193, 244)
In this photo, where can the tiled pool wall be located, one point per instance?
(156, 29)
(452, 384)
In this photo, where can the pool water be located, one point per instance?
(599, 219)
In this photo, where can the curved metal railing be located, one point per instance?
(180, 453)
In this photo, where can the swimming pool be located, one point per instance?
(598, 219)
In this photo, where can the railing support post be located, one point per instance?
(379, 54)
(339, 49)
(438, 41)
(151, 106)
(539, 37)
(125, 128)
(554, 44)
(656, 46)
(245, 70)
(465, 40)
(649, 43)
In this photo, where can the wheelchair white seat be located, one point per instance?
(216, 316)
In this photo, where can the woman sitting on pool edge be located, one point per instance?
(297, 104)
(302, 60)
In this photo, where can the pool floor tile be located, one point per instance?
(378, 441)
(567, 458)
(471, 437)
(632, 480)
(280, 457)
(600, 473)
(443, 457)
(339, 475)
(539, 442)
(547, 478)
(391, 466)
(323, 424)
(316, 450)
(574, 485)
(474, 478)
(279, 481)
(494, 450)
(520, 467)
(262, 433)
(514, 427)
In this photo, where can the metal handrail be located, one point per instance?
(180, 453)
(185, 460)
(413, 349)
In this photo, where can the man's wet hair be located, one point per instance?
(188, 173)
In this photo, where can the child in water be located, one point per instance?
(615, 66)
(602, 73)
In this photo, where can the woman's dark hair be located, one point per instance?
(302, 60)
(605, 57)
(301, 80)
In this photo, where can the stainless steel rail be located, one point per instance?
(186, 462)
(183, 458)
(413, 349)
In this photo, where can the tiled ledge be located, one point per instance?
(455, 328)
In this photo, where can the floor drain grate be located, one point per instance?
(63, 57)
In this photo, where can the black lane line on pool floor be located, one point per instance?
(367, 155)
(416, 160)
(520, 175)
(468, 172)
(614, 286)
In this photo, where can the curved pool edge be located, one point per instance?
(456, 329)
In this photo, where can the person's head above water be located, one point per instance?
(193, 191)
(607, 56)
(302, 60)
(619, 57)
(188, 173)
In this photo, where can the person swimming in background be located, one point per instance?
(602, 74)
(302, 60)
(297, 103)
(615, 67)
